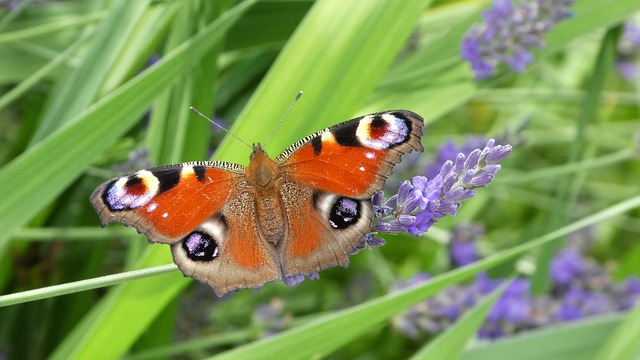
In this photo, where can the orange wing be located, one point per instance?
(226, 251)
(322, 229)
(355, 157)
(166, 203)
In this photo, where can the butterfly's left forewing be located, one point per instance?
(167, 202)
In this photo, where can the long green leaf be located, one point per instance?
(623, 342)
(580, 340)
(80, 89)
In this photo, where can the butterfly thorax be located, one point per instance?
(262, 171)
(262, 177)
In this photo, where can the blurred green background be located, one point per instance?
(88, 85)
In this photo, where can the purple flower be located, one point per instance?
(449, 151)
(568, 311)
(632, 285)
(435, 314)
(511, 312)
(462, 253)
(629, 52)
(368, 242)
(462, 247)
(513, 307)
(596, 303)
(509, 32)
(628, 293)
(585, 289)
(578, 303)
(566, 266)
(418, 204)
(484, 284)
(294, 280)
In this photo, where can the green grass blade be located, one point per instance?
(569, 188)
(46, 70)
(140, 44)
(124, 314)
(84, 285)
(623, 342)
(53, 27)
(81, 87)
(588, 16)
(580, 340)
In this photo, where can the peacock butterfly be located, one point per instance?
(236, 227)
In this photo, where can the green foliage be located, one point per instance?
(76, 80)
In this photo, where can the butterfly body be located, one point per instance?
(238, 227)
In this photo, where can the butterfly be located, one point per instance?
(236, 227)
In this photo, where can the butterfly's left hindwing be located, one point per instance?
(227, 251)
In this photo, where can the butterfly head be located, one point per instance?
(257, 148)
(261, 171)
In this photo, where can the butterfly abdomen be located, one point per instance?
(263, 181)
(271, 220)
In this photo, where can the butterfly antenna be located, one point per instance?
(283, 116)
(220, 126)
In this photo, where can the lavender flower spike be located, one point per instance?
(580, 288)
(509, 32)
(418, 204)
(628, 58)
